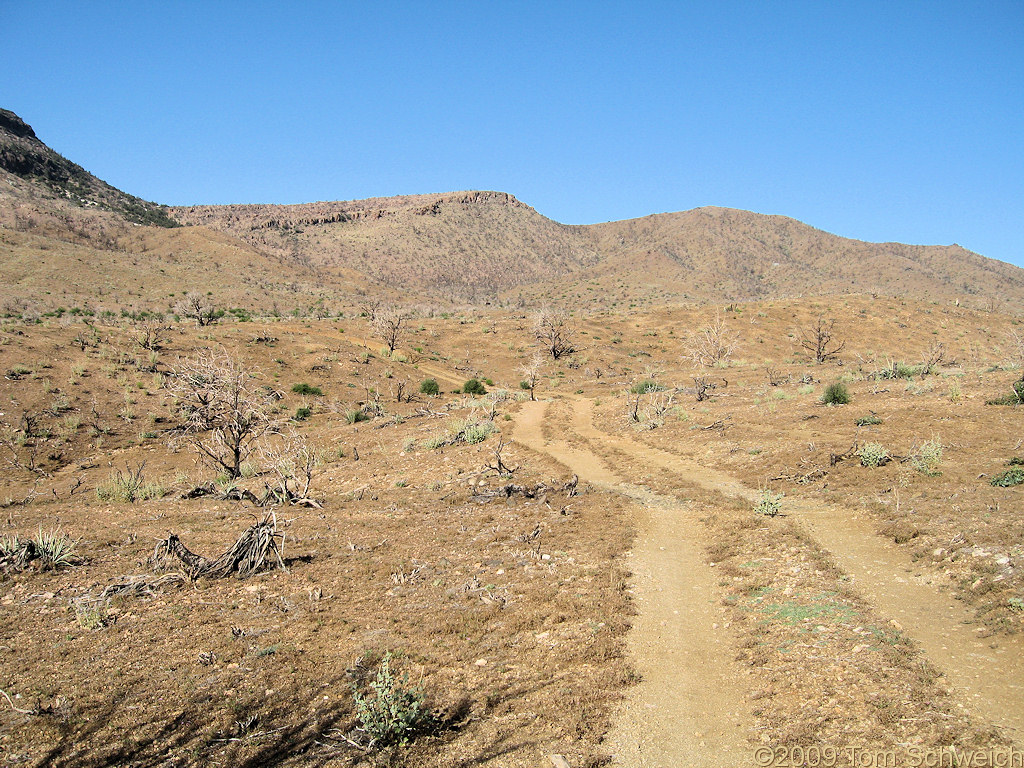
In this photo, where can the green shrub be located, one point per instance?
(434, 442)
(128, 487)
(836, 394)
(898, 370)
(474, 387)
(306, 389)
(927, 458)
(394, 713)
(873, 455)
(477, 433)
(645, 386)
(1014, 397)
(1009, 478)
(430, 387)
(356, 415)
(868, 421)
(770, 504)
(303, 413)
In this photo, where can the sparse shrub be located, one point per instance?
(1009, 478)
(91, 617)
(927, 458)
(477, 433)
(355, 415)
(52, 549)
(394, 712)
(226, 416)
(434, 442)
(873, 455)
(474, 387)
(868, 421)
(306, 389)
(129, 486)
(646, 386)
(770, 504)
(819, 342)
(430, 387)
(556, 332)
(955, 395)
(712, 345)
(836, 394)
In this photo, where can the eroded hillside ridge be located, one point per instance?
(480, 247)
(467, 245)
(475, 245)
(25, 156)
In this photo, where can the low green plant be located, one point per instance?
(645, 386)
(430, 387)
(474, 387)
(91, 617)
(1014, 397)
(393, 712)
(478, 432)
(355, 415)
(873, 455)
(1009, 478)
(434, 442)
(868, 421)
(306, 389)
(770, 503)
(835, 394)
(303, 413)
(55, 548)
(128, 487)
(927, 457)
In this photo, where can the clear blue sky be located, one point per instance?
(876, 120)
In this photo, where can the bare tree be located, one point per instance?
(293, 464)
(387, 325)
(556, 331)
(198, 307)
(712, 344)
(531, 374)
(819, 342)
(150, 334)
(225, 415)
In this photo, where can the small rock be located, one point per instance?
(481, 662)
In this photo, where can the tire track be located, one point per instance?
(987, 674)
(690, 708)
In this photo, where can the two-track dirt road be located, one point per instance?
(691, 708)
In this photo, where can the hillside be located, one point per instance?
(478, 245)
(458, 246)
(68, 238)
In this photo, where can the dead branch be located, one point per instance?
(248, 555)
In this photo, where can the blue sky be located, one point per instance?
(881, 121)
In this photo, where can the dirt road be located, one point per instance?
(690, 708)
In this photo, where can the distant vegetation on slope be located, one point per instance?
(25, 156)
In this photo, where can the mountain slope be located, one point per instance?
(67, 237)
(24, 155)
(459, 245)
